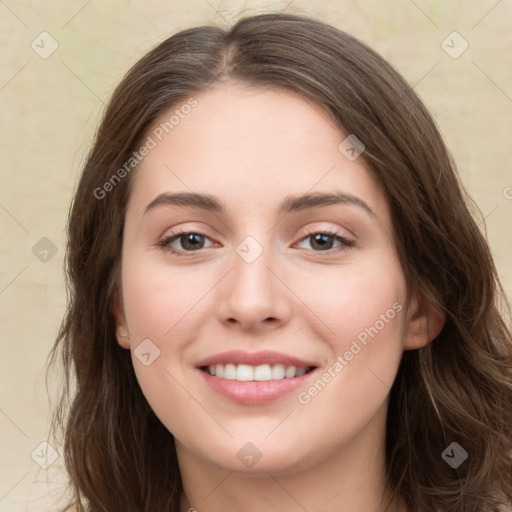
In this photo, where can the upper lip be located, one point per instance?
(254, 359)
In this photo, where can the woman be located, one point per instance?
(278, 297)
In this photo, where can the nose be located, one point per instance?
(254, 295)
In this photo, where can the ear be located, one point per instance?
(424, 323)
(117, 310)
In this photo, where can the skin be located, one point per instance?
(252, 147)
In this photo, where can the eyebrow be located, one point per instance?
(290, 204)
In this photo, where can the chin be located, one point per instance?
(259, 459)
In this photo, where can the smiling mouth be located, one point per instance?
(260, 373)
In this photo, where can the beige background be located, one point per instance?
(51, 106)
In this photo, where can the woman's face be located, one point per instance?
(276, 278)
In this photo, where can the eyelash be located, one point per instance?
(165, 243)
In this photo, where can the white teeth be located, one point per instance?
(263, 372)
(290, 372)
(278, 371)
(244, 372)
(230, 372)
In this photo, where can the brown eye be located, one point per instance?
(189, 242)
(325, 240)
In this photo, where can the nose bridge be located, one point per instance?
(251, 274)
(253, 293)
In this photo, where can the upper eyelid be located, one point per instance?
(329, 231)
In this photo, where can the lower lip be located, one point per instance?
(254, 392)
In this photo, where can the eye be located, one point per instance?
(193, 241)
(323, 241)
(190, 242)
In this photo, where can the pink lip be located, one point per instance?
(254, 359)
(253, 392)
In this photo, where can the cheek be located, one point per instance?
(159, 306)
(159, 301)
(363, 314)
(354, 301)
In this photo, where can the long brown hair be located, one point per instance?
(458, 388)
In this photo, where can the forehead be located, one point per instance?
(252, 146)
